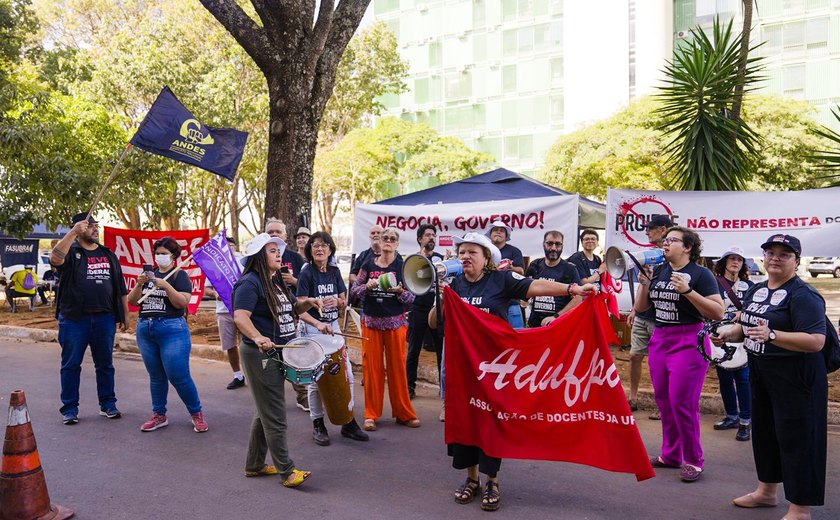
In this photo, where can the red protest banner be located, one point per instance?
(551, 393)
(134, 248)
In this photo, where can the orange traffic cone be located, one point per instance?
(23, 490)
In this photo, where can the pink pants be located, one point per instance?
(678, 371)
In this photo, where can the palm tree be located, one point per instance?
(829, 160)
(711, 148)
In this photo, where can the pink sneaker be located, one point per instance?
(199, 424)
(157, 421)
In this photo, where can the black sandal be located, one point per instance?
(467, 492)
(491, 499)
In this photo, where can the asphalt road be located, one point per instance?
(108, 469)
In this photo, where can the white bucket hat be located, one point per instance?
(481, 240)
(260, 241)
(732, 250)
(499, 223)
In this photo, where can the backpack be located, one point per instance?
(831, 347)
(29, 281)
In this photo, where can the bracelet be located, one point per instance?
(572, 286)
(686, 292)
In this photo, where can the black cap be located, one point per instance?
(81, 216)
(659, 221)
(786, 240)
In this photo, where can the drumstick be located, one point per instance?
(349, 335)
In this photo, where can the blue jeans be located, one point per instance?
(74, 336)
(515, 316)
(165, 345)
(735, 392)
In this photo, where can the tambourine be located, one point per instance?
(711, 327)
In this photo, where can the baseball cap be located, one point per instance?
(260, 241)
(498, 223)
(786, 240)
(659, 221)
(78, 217)
(481, 240)
(303, 231)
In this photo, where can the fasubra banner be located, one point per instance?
(529, 218)
(729, 218)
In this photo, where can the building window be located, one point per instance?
(509, 43)
(794, 81)
(421, 91)
(526, 39)
(512, 147)
(794, 6)
(526, 147)
(557, 34)
(458, 85)
(509, 78)
(772, 36)
(556, 67)
(479, 47)
(816, 33)
(479, 13)
(794, 36)
(541, 111)
(556, 109)
(526, 8)
(508, 10)
(509, 119)
(435, 54)
(385, 6)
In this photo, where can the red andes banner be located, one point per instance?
(134, 249)
(550, 393)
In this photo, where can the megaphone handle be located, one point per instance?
(638, 266)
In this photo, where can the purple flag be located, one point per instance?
(220, 266)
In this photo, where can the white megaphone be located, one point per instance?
(619, 261)
(420, 273)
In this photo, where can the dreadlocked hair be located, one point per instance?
(258, 264)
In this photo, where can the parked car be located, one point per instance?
(824, 265)
(42, 267)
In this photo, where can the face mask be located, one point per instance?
(163, 260)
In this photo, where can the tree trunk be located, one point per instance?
(735, 114)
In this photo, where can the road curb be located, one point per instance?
(710, 404)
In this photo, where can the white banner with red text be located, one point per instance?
(550, 393)
(134, 250)
(730, 218)
(530, 219)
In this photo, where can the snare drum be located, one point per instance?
(738, 361)
(304, 364)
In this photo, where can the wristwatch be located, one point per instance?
(772, 335)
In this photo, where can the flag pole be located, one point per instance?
(186, 261)
(110, 179)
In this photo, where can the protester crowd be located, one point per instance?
(285, 300)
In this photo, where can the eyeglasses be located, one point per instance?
(671, 240)
(389, 238)
(320, 246)
(553, 244)
(783, 256)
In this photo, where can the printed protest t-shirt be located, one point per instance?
(158, 304)
(96, 280)
(740, 288)
(673, 308)
(585, 267)
(793, 307)
(383, 303)
(315, 283)
(493, 292)
(248, 295)
(563, 272)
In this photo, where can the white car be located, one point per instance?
(42, 267)
(824, 265)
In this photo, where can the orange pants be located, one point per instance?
(391, 343)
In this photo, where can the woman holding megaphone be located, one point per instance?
(379, 286)
(682, 294)
(481, 284)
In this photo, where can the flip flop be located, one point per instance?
(296, 478)
(749, 501)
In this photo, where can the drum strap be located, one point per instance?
(727, 286)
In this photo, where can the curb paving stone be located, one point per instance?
(710, 404)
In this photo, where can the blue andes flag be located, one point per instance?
(170, 130)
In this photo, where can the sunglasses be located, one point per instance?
(388, 238)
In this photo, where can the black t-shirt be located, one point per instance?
(563, 272)
(248, 295)
(585, 267)
(513, 254)
(363, 257)
(793, 307)
(317, 284)
(425, 302)
(293, 261)
(673, 308)
(383, 303)
(92, 281)
(739, 287)
(493, 292)
(158, 305)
